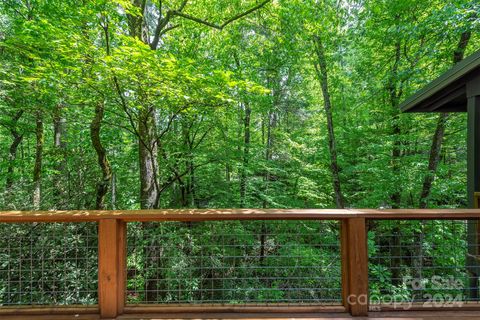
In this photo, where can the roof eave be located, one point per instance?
(455, 74)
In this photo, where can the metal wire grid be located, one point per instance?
(421, 261)
(234, 262)
(48, 264)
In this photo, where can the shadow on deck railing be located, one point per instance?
(238, 260)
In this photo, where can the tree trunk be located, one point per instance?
(267, 139)
(104, 183)
(321, 70)
(114, 192)
(433, 160)
(148, 149)
(394, 94)
(59, 128)
(12, 155)
(246, 151)
(189, 198)
(461, 46)
(60, 145)
(396, 195)
(228, 166)
(191, 185)
(147, 144)
(437, 138)
(37, 169)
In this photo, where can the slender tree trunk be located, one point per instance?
(149, 188)
(148, 150)
(60, 145)
(269, 123)
(396, 195)
(228, 167)
(267, 137)
(461, 46)
(271, 120)
(114, 192)
(321, 70)
(394, 96)
(188, 146)
(59, 129)
(244, 116)
(434, 159)
(246, 156)
(37, 169)
(95, 132)
(104, 183)
(437, 139)
(12, 155)
(191, 174)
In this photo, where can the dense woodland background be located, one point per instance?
(204, 104)
(140, 104)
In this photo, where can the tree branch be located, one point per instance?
(160, 29)
(162, 22)
(184, 3)
(168, 29)
(226, 23)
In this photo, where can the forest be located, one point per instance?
(142, 104)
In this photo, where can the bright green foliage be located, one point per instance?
(200, 79)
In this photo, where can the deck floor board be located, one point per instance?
(411, 315)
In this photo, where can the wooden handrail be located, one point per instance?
(235, 214)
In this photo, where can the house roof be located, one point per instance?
(447, 93)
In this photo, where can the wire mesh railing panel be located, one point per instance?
(48, 264)
(433, 262)
(234, 262)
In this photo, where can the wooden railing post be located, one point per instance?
(473, 255)
(354, 266)
(111, 267)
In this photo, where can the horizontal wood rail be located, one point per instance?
(235, 214)
(47, 310)
(245, 308)
(112, 251)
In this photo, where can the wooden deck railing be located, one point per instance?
(112, 255)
